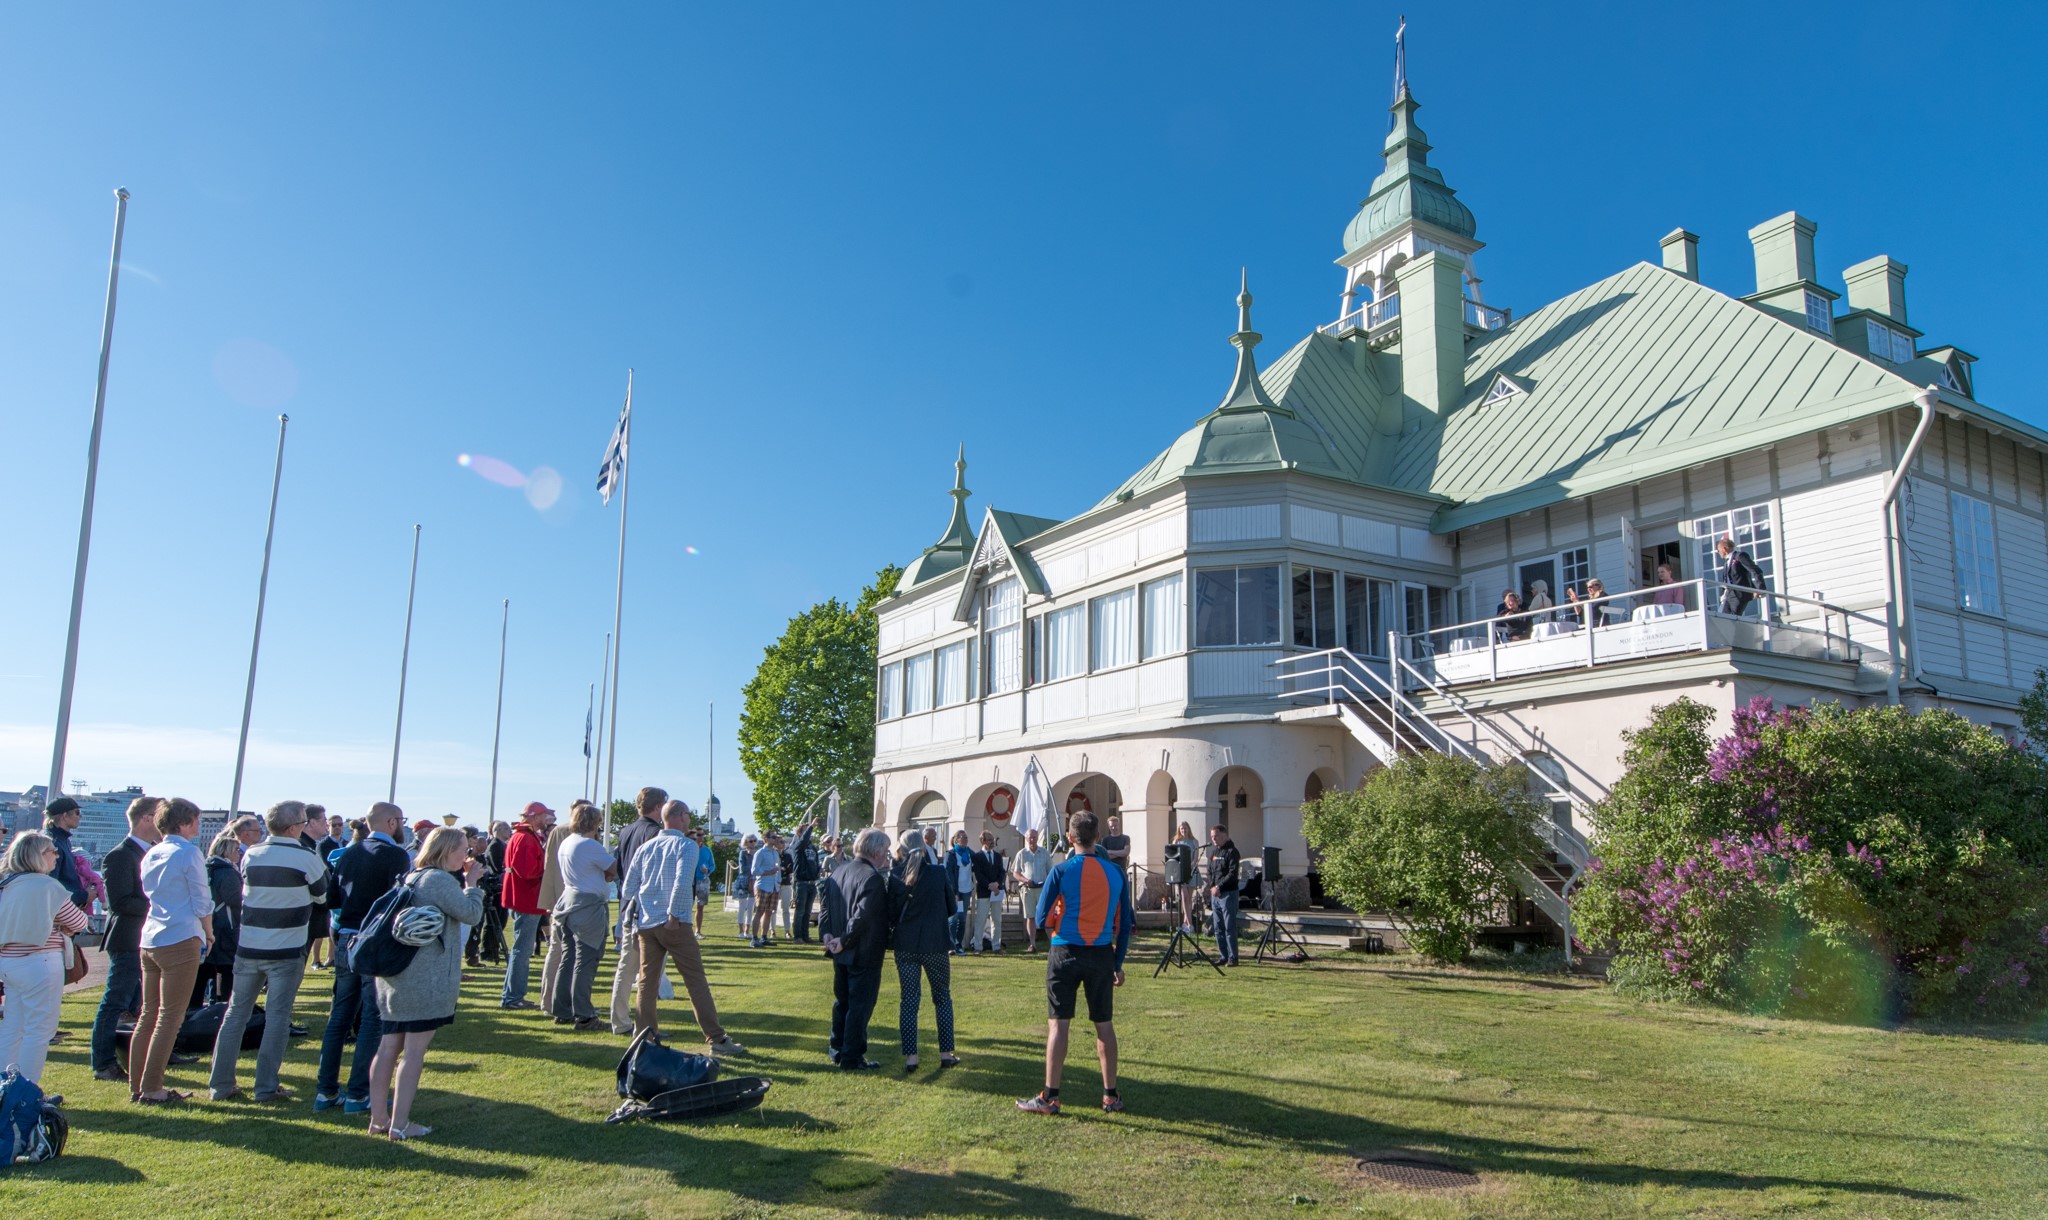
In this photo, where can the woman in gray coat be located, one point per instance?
(421, 998)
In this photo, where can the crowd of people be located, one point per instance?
(246, 916)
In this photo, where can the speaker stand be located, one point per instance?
(1275, 935)
(1183, 943)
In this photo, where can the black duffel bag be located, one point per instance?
(201, 1029)
(660, 1082)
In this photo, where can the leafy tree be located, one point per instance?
(622, 814)
(808, 722)
(1434, 840)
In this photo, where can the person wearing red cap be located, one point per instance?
(525, 861)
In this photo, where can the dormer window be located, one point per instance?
(1949, 379)
(1886, 344)
(1818, 313)
(1503, 388)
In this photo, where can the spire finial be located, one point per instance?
(1246, 394)
(959, 535)
(960, 471)
(1400, 60)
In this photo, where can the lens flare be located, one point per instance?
(690, 550)
(504, 474)
(543, 487)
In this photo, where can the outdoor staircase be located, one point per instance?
(1375, 709)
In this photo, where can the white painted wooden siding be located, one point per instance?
(1166, 536)
(1373, 537)
(1235, 671)
(1423, 545)
(1941, 646)
(1833, 541)
(1318, 525)
(1237, 523)
(1114, 554)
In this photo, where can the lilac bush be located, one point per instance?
(1868, 863)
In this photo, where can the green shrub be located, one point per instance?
(1435, 840)
(1853, 864)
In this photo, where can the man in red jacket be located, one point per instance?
(525, 861)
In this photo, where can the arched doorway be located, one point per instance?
(1237, 802)
(1091, 791)
(993, 807)
(1320, 781)
(927, 808)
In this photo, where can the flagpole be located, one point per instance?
(498, 725)
(256, 639)
(589, 710)
(604, 684)
(92, 472)
(404, 657)
(611, 761)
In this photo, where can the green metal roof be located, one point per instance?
(1641, 373)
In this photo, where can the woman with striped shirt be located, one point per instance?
(36, 915)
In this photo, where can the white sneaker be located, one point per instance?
(726, 1046)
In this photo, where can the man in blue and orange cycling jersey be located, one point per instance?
(1086, 905)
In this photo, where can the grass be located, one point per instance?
(1253, 1094)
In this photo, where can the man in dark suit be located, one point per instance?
(1739, 574)
(990, 873)
(129, 908)
(857, 952)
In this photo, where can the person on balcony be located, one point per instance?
(1601, 615)
(1739, 575)
(1668, 591)
(1508, 629)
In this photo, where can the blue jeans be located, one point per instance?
(519, 964)
(355, 997)
(1223, 913)
(123, 994)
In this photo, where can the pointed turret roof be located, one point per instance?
(1247, 430)
(1409, 188)
(954, 547)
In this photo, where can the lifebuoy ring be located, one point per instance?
(1077, 802)
(1000, 804)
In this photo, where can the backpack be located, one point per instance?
(31, 1130)
(377, 951)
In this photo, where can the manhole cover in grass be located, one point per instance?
(1417, 1173)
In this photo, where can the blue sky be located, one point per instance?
(835, 242)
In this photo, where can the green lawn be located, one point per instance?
(1252, 1095)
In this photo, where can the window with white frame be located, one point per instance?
(1976, 553)
(1503, 388)
(1237, 606)
(1819, 314)
(1315, 608)
(1950, 380)
(1113, 629)
(1750, 528)
(1574, 569)
(890, 704)
(1365, 615)
(917, 684)
(1887, 344)
(1034, 650)
(952, 666)
(1066, 643)
(1160, 603)
(1002, 614)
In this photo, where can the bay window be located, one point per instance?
(1237, 606)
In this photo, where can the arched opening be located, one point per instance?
(1541, 767)
(1237, 802)
(993, 808)
(1320, 781)
(1091, 791)
(926, 808)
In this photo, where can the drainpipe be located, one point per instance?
(1894, 558)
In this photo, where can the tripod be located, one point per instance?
(1183, 942)
(1275, 935)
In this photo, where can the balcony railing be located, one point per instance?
(1368, 317)
(1374, 314)
(1485, 317)
(1687, 617)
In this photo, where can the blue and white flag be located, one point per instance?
(586, 732)
(613, 468)
(832, 814)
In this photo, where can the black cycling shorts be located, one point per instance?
(1090, 969)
